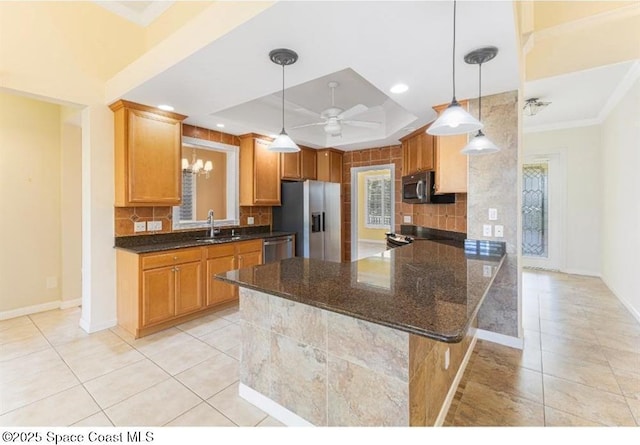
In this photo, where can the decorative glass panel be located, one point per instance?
(188, 196)
(535, 210)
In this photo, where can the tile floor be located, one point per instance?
(580, 366)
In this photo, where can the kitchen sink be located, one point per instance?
(218, 239)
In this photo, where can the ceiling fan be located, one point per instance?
(334, 117)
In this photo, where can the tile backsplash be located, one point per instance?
(125, 217)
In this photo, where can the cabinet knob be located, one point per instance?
(175, 257)
(176, 269)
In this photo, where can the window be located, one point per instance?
(378, 202)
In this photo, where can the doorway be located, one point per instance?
(543, 216)
(372, 209)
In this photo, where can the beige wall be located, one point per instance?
(365, 233)
(30, 198)
(212, 191)
(71, 211)
(621, 203)
(579, 149)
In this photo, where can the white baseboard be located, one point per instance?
(587, 273)
(66, 304)
(270, 407)
(456, 381)
(36, 308)
(634, 312)
(90, 328)
(501, 339)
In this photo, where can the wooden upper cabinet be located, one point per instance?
(450, 165)
(329, 165)
(299, 166)
(417, 152)
(259, 172)
(148, 145)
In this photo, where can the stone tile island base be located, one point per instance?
(308, 366)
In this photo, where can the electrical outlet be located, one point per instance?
(140, 226)
(52, 282)
(447, 358)
(486, 270)
(250, 220)
(486, 230)
(407, 219)
(499, 231)
(154, 226)
(493, 214)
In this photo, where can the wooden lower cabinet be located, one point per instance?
(159, 290)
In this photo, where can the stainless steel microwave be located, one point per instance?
(419, 188)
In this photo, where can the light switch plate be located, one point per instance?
(250, 220)
(493, 214)
(407, 218)
(447, 358)
(486, 270)
(140, 226)
(486, 230)
(499, 231)
(154, 226)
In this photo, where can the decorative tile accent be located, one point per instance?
(358, 396)
(381, 349)
(299, 378)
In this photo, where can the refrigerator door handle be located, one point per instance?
(323, 220)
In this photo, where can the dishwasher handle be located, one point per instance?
(278, 241)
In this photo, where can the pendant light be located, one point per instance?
(283, 143)
(480, 144)
(454, 119)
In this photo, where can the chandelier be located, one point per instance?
(197, 166)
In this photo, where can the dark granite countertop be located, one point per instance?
(426, 288)
(169, 244)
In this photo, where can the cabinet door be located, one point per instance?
(308, 162)
(336, 167)
(425, 148)
(412, 153)
(266, 185)
(154, 169)
(189, 295)
(248, 259)
(218, 291)
(158, 295)
(290, 163)
(451, 165)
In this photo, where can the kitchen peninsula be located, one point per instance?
(374, 342)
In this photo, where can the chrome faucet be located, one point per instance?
(212, 228)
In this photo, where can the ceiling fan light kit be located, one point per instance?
(283, 143)
(480, 144)
(334, 117)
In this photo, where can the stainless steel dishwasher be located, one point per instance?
(278, 248)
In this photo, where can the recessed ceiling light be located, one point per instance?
(165, 107)
(399, 88)
(220, 125)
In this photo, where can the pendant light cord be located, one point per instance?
(454, 50)
(283, 98)
(480, 92)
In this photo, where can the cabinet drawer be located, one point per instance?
(221, 250)
(249, 246)
(169, 258)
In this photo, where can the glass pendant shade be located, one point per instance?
(454, 120)
(479, 145)
(283, 144)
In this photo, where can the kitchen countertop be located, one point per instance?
(193, 242)
(426, 288)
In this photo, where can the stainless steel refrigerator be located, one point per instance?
(311, 209)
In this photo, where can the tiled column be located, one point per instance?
(493, 183)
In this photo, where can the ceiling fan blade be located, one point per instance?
(356, 109)
(308, 125)
(364, 124)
